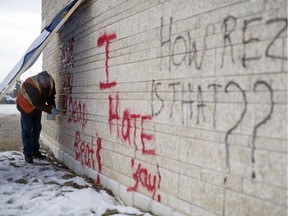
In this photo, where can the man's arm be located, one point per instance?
(37, 99)
(51, 99)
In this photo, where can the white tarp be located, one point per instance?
(35, 49)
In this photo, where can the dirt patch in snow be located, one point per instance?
(10, 133)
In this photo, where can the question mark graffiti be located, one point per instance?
(238, 122)
(260, 82)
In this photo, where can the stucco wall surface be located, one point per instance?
(178, 106)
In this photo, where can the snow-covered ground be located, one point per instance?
(8, 109)
(42, 189)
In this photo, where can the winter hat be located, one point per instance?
(44, 79)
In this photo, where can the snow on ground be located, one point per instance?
(8, 109)
(41, 189)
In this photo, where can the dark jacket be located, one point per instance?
(40, 99)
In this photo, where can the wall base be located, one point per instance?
(135, 199)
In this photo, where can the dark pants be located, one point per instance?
(31, 127)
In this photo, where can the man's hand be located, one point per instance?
(55, 111)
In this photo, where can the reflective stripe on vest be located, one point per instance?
(33, 81)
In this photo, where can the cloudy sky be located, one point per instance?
(20, 24)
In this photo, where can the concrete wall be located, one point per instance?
(178, 106)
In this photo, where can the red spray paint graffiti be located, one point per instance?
(126, 118)
(84, 153)
(76, 109)
(125, 129)
(78, 112)
(105, 39)
(135, 117)
(142, 176)
(98, 157)
(113, 113)
(145, 136)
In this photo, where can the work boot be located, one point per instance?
(28, 158)
(38, 155)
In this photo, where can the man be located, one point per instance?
(37, 94)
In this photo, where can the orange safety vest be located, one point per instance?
(23, 99)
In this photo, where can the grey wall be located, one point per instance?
(182, 101)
